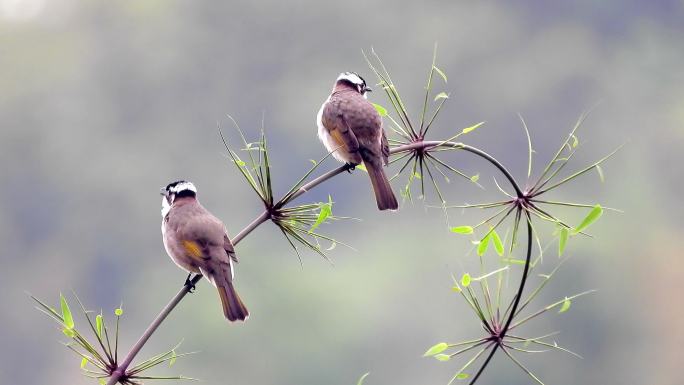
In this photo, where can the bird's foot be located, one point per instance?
(190, 284)
(350, 167)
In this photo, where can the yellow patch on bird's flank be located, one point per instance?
(338, 138)
(193, 249)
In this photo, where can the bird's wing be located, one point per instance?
(201, 234)
(366, 124)
(228, 247)
(335, 120)
(385, 148)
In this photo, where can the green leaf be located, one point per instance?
(498, 245)
(472, 128)
(436, 349)
(575, 141)
(442, 74)
(565, 306)
(361, 167)
(462, 376)
(465, 280)
(118, 312)
(563, 239)
(462, 229)
(475, 178)
(593, 215)
(442, 357)
(325, 210)
(381, 110)
(441, 95)
(84, 362)
(360, 382)
(69, 333)
(484, 244)
(240, 163)
(456, 289)
(173, 358)
(98, 325)
(66, 313)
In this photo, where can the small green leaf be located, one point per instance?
(381, 110)
(562, 239)
(118, 312)
(102, 381)
(462, 376)
(84, 362)
(360, 382)
(462, 229)
(436, 349)
(575, 141)
(498, 245)
(593, 215)
(441, 95)
(325, 210)
(442, 74)
(442, 357)
(240, 163)
(475, 178)
(66, 313)
(484, 244)
(565, 306)
(472, 128)
(465, 280)
(69, 333)
(361, 167)
(173, 358)
(98, 325)
(456, 289)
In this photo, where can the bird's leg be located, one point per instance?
(350, 167)
(188, 282)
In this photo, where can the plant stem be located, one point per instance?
(255, 223)
(263, 217)
(516, 302)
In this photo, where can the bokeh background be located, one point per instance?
(101, 103)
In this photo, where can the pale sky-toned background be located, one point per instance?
(101, 103)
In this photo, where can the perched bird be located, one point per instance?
(351, 128)
(197, 242)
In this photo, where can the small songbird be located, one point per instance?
(197, 242)
(351, 128)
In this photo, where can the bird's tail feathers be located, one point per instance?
(233, 308)
(383, 190)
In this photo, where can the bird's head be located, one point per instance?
(355, 81)
(176, 190)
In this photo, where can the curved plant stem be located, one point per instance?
(516, 302)
(120, 371)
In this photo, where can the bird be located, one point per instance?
(351, 129)
(197, 242)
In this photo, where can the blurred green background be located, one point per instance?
(101, 103)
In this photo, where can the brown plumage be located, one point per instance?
(351, 128)
(197, 242)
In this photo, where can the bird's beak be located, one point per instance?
(368, 89)
(162, 191)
